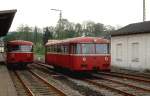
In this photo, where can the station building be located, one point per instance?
(130, 46)
(6, 85)
(6, 18)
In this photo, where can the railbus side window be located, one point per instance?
(75, 49)
(54, 50)
(51, 48)
(58, 48)
(48, 49)
(66, 49)
(61, 48)
(72, 49)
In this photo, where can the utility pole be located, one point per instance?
(144, 9)
(60, 23)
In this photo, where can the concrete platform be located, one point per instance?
(6, 85)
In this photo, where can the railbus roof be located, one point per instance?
(87, 40)
(20, 42)
(79, 40)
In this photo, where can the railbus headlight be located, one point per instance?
(106, 58)
(84, 59)
(12, 55)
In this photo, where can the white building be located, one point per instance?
(130, 46)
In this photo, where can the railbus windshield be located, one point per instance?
(102, 48)
(92, 48)
(88, 48)
(19, 48)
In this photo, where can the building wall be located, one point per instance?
(131, 51)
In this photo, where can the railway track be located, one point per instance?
(127, 76)
(136, 74)
(122, 88)
(18, 85)
(111, 88)
(73, 88)
(34, 85)
(125, 82)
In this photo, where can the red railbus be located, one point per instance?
(79, 54)
(19, 53)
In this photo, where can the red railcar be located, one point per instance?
(79, 54)
(19, 53)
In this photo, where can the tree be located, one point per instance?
(25, 29)
(35, 32)
(66, 30)
(108, 30)
(48, 34)
(88, 28)
(78, 30)
(98, 29)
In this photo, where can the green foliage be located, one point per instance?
(39, 49)
(48, 34)
(64, 29)
(24, 32)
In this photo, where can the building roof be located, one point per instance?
(6, 18)
(134, 28)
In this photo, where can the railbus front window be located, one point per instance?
(88, 48)
(102, 48)
(26, 48)
(20, 48)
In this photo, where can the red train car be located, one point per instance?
(19, 53)
(79, 54)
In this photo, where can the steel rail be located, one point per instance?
(30, 93)
(118, 82)
(47, 83)
(140, 74)
(108, 87)
(126, 76)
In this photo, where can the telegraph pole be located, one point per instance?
(144, 9)
(60, 18)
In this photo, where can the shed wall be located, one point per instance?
(135, 51)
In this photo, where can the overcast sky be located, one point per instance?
(109, 12)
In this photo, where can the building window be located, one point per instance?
(119, 52)
(135, 52)
(1, 49)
